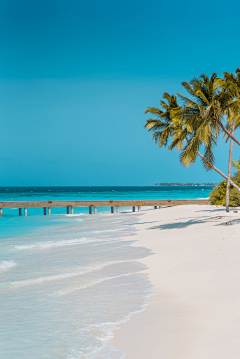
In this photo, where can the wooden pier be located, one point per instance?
(22, 206)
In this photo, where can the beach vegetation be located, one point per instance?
(218, 194)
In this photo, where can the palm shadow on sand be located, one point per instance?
(184, 224)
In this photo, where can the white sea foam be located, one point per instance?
(106, 241)
(65, 242)
(107, 230)
(91, 284)
(5, 265)
(106, 332)
(75, 214)
(77, 272)
(49, 244)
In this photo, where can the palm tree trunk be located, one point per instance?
(217, 170)
(230, 167)
(221, 173)
(227, 132)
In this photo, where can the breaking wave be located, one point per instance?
(5, 265)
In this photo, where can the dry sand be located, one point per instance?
(195, 272)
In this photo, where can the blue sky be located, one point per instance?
(76, 77)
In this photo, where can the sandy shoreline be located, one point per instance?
(195, 272)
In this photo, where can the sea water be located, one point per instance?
(68, 281)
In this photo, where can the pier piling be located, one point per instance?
(139, 208)
(112, 209)
(133, 209)
(49, 210)
(45, 211)
(71, 210)
(0, 211)
(95, 210)
(117, 209)
(25, 211)
(67, 210)
(90, 210)
(20, 211)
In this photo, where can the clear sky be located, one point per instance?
(76, 77)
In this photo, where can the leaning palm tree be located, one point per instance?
(170, 129)
(212, 102)
(230, 167)
(203, 113)
(231, 86)
(198, 113)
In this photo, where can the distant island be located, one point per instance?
(186, 184)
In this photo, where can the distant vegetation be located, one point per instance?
(196, 122)
(186, 184)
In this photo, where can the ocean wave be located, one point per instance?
(77, 272)
(75, 214)
(64, 242)
(107, 230)
(91, 284)
(5, 265)
(69, 242)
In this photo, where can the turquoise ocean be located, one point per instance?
(68, 281)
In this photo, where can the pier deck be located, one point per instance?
(92, 205)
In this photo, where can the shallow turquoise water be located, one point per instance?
(67, 281)
(97, 193)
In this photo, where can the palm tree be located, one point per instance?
(203, 114)
(162, 126)
(169, 126)
(197, 114)
(231, 86)
(230, 167)
(212, 101)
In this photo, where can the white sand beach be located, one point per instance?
(195, 271)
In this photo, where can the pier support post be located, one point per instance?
(44, 211)
(95, 210)
(155, 207)
(117, 209)
(49, 210)
(139, 208)
(20, 211)
(112, 209)
(90, 210)
(71, 210)
(25, 211)
(0, 211)
(133, 209)
(67, 210)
